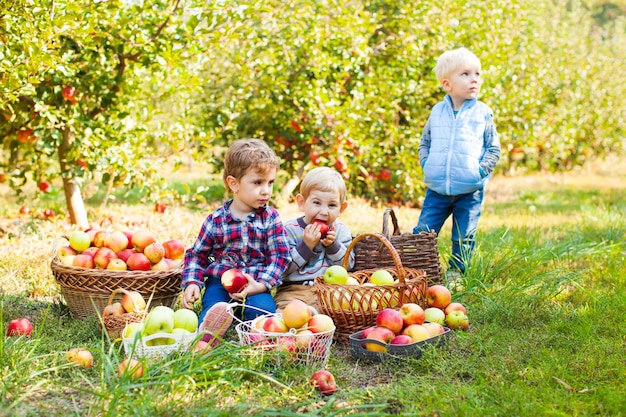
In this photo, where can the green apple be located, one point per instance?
(79, 240)
(159, 320)
(353, 281)
(185, 319)
(132, 329)
(382, 277)
(336, 274)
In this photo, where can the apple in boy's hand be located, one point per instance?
(323, 227)
(19, 327)
(324, 382)
(234, 281)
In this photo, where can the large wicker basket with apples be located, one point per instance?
(354, 307)
(88, 270)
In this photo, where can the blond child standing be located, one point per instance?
(244, 233)
(322, 197)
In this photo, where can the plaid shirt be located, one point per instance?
(257, 245)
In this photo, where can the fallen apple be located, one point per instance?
(457, 320)
(81, 357)
(19, 327)
(130, 367)
(324, 382)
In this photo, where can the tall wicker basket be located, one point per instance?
(87, 291)
(355, 307)
(418, 251)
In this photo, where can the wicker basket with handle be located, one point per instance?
(418, 251)
(355, 307)
(115, 324)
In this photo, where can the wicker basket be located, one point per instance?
(418, 251)
(355, 307)
(115, 324)
(87, 291)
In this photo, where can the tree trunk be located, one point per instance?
(73, 197)
(289, 187)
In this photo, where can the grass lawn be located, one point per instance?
(546, 297)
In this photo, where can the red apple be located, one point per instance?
(113, 310)
(142, 238)
(83, 261)
(129, 236)
(296, 314)
(26, 135)
(90, 251)
(202, 347)
(455, 307)
(49, 213)
(81, 357)
(160, 208)
(133, 301)
(391, 319)
(124, 254)
(438, 296)
(411, 314)
(65, 251)
(19, 327)
(24, 210)
(366, 332)
(381, 334)
(131, 367)
(162, 265)
(3, 177)
(174, 249)
(69, 94)
(324, 382)
(155, 252)
(417, 332)
(457, 320)
(275, 324)
(138, 262)
(99, 238)
(234, 280)
(320, 323)
(323, 227)
(116, 241)
(44, 186)
(102, 258)
(434, 328)
(402, 339)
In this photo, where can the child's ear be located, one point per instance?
(300, 201)
(232, 183)
(445, 83)
(344, 205)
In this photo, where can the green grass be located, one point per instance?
(546, 296)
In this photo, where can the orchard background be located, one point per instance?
(107, 92)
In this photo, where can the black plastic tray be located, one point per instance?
(413, 350)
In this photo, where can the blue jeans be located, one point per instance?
(465, 210)
(214, 293)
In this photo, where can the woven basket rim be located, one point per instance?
(57, 266)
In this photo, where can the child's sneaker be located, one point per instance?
(454, 280)
(215, 324)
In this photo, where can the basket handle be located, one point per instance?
(123, 291)
(384, 242)
(394, 220)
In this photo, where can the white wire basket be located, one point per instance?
(290, 348)
(146, 347)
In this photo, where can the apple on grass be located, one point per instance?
(202, 348)
(324, 382)
(412, 314)
(130, 368)
(296, 314)
(133, 301)
(19, 327)
(81, 357)
(336, 274)
(391, 319)
(438, 296)
(234, 280)
(186, 319)
(323, 227)
(435, 315)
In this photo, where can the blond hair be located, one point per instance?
(323, 179)
(246, 154)
(450, 61)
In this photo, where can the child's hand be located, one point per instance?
(191, 295)
(330, 237)
(311, 235)
(252, 288)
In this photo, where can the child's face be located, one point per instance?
(321, 205)
(464, 82)
(253, 190)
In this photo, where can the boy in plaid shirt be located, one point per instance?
(244, 233)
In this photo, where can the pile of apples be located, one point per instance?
(441, 310)
(294, 332)
(121, 250)
(166, 321)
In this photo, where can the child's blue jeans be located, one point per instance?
(214, 292)
(465, 210)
